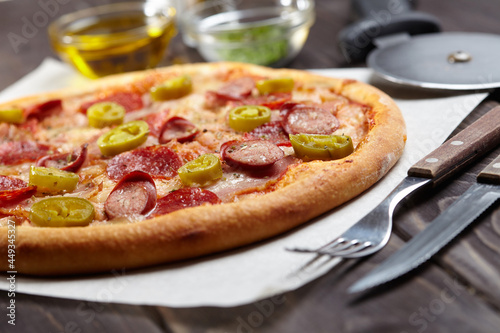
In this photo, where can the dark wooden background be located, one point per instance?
(457, 291)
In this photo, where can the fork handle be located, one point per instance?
(467, 146)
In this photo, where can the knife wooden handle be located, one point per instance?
(490, 174)
(465, 147)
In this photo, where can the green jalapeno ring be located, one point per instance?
(62, 212)
(279, 85)
(247, 117)
(104, 114)
(172, 89)
(12, 116)
(202, 170)
(124, 137)
(321, 147)
(52, 180)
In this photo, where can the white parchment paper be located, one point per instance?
(262, 270)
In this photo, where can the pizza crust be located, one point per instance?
(306, 191)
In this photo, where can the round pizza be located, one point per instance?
(162, 165)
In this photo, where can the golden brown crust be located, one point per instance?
(306, 191)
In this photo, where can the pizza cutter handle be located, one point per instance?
(379, 18)
(466, 147)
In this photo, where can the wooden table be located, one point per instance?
(457, 291)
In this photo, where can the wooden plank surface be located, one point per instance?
(458, 291)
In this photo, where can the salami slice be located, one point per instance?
(234, 90)
(129, 100)
(135, 194)
(252, 154)
(67, 161)
(16, 152)
(273, 101)
(307, 119)
(43, 110)
(14, 190)
(156, 121)
(184, 198)
(272, 131)
(177, 128)
(239, 181)
(158, 161)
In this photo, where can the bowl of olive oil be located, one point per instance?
(114, 38)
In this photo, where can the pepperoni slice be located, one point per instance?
(67, 161)
(273, 101)
(156, 121)
(184, 198)
(246, 181)
(129, 100)
(16, 152)
(233, 90)
(276, 170)
(307, 119)
(177, 128)
(287, 108)
(158, 161)
(251, 154)
(272, 131)
(43, 110)
(135, 194)
(14, 190)
(334, 106)
(236, 89)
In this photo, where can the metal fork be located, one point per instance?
(372, 232)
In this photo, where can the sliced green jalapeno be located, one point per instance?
(105, 114)
(247, 117)
(124, 137)
(172, 89)
(282, 85)
(62, 212)
(202, 170)
(12, 116)
(321, 147)
(52, 180)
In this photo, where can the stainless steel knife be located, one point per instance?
(476, 200)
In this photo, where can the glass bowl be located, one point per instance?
(114, 38)
(263, 32)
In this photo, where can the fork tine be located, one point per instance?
(345, 244)
(352, 250)
(301, 250)
(332, 244)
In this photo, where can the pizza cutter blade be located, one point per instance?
(451, 61)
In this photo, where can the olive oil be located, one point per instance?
(107, 45)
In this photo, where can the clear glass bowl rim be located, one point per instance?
(57, 28)
(306, 17)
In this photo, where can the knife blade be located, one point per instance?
(440, 231)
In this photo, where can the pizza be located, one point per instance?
(168, 164)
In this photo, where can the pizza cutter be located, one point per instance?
(453, 61)
(408, 49)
